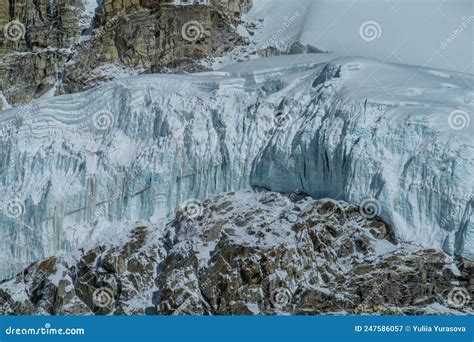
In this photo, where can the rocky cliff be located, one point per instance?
(152, 39)
(59, 46)
(35, 25)
(248, 253)
(36, 36)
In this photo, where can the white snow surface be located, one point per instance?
(136, 149)
(91, 6)
(432, 33)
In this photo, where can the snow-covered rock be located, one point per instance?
(136, 149)
(249, 252)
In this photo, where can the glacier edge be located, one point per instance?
(136, 149)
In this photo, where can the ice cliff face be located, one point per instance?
(247, 253)
(391, 136)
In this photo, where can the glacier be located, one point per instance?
(336, 26)
(133, 150)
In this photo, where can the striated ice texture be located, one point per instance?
(134, 150)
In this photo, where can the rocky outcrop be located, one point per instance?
(31, 75)
(34, 43)
(105, 280)
(160, 39)
(235, 8)
(35, 25)
(247, 253)
(69, 51)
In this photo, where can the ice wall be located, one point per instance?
(136, 149)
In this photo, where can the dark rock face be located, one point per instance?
(103, 281)
(33, 39)
(27, 76)
(166, 38)
(53, 24)
(248, 253)
(128, 36)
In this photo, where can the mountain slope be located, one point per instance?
(247, 252)
(388, 136)
(65, 46)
